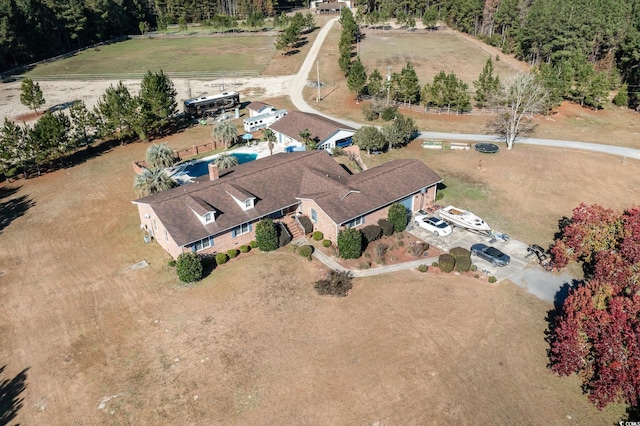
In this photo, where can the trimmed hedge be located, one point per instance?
(458, 252)
(387, 227)
(253, 244)
(350, 243)
(446, 262)
(371, 233)
(232, 253)
(326, 243)
(267, 235)
(318, 235)
(189, 267)
(492, 279)
(305, 251)
(306, 224)
(245, 249)
(221, 258)
(423, 268)
(463, 264)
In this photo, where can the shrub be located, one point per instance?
(459, 252)
(476, 276)
(189, 267)
(423, 268)
(463, 264)
(492, 279)
(622, 97)
(389, 113)
(371, 233)
(326, 243)
(172, 263)
(221, 258)
(232, 253)
(318, 235)
(253, 244)
(418, 248)
(364, 265)
(381, 250)
(306, 224)
(473, 268)
(305, 251)
(337, 151)
(350, 243)
(284, 237)
(368, 112)
(398, 216)
(400, 243)
(439, 195)
(446, 262)
(266, 235)
(387, 227)
(434, 264)
(244, 249)
(337, 283)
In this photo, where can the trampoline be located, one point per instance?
(486, 148)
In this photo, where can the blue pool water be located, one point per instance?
(200, 168)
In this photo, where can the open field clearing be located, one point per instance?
(253, 343)
(430, 52)
(181, 54)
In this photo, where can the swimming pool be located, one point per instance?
(200, 168)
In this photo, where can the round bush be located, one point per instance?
(387, 227)
(318, 235)
(172, 263)
(350, 243)
(446, 262)
(398, 216)
(232, 253)
(372, 233)
(221, 258)
(492, 279)
(326, 243)
(244, 249)
(253, 244)
(305, 251)
(189, 267)
(423, 268)
(459, 252)
(463, 264)
(434, 264)
(473, 268)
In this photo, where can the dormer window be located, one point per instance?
(208, 217)
(248, 204)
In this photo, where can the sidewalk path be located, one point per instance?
(332, 264)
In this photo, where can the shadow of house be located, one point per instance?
(10, 400)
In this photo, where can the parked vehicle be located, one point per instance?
(490, 254)
(433, 224)
(464, 219)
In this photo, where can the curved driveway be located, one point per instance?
(299, 81)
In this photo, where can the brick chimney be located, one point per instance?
(213, 171)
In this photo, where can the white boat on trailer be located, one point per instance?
(464, 219)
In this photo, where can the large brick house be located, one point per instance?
(219, 212)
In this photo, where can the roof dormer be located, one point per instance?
(242, 197)
(203, 210)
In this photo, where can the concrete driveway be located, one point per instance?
(523, 271)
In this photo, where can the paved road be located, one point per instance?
(299, 81)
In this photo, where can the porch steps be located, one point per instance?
(293, 227)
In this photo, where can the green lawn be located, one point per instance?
(171, 54)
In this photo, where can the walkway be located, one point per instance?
(332, 264)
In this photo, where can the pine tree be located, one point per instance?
(357, 79)
(31, 94)
(486, 85)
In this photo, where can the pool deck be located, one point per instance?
(260, 148)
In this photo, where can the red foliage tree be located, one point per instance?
(597, 333)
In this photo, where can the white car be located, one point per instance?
(437, 226)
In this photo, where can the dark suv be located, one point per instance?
(490, 254)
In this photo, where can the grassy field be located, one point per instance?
(180, 54)
(429, 52)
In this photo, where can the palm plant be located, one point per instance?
(225, 161)
(160, 156)
(306, 138)
(269, 136)
(152, 181)
(225, 132)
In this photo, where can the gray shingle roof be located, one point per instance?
(295, 122)
(279, 181)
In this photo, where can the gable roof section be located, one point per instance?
(257, 106)
(274, 181)
(376, 187)
(296, 121)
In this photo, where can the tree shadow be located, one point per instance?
(13, 208)
(553, 314)
(10, 400)
(61, 106)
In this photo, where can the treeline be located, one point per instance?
(55, 136)
(584, 48)
(35, 30)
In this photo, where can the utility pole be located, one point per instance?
(318, 71)
(388, 84)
